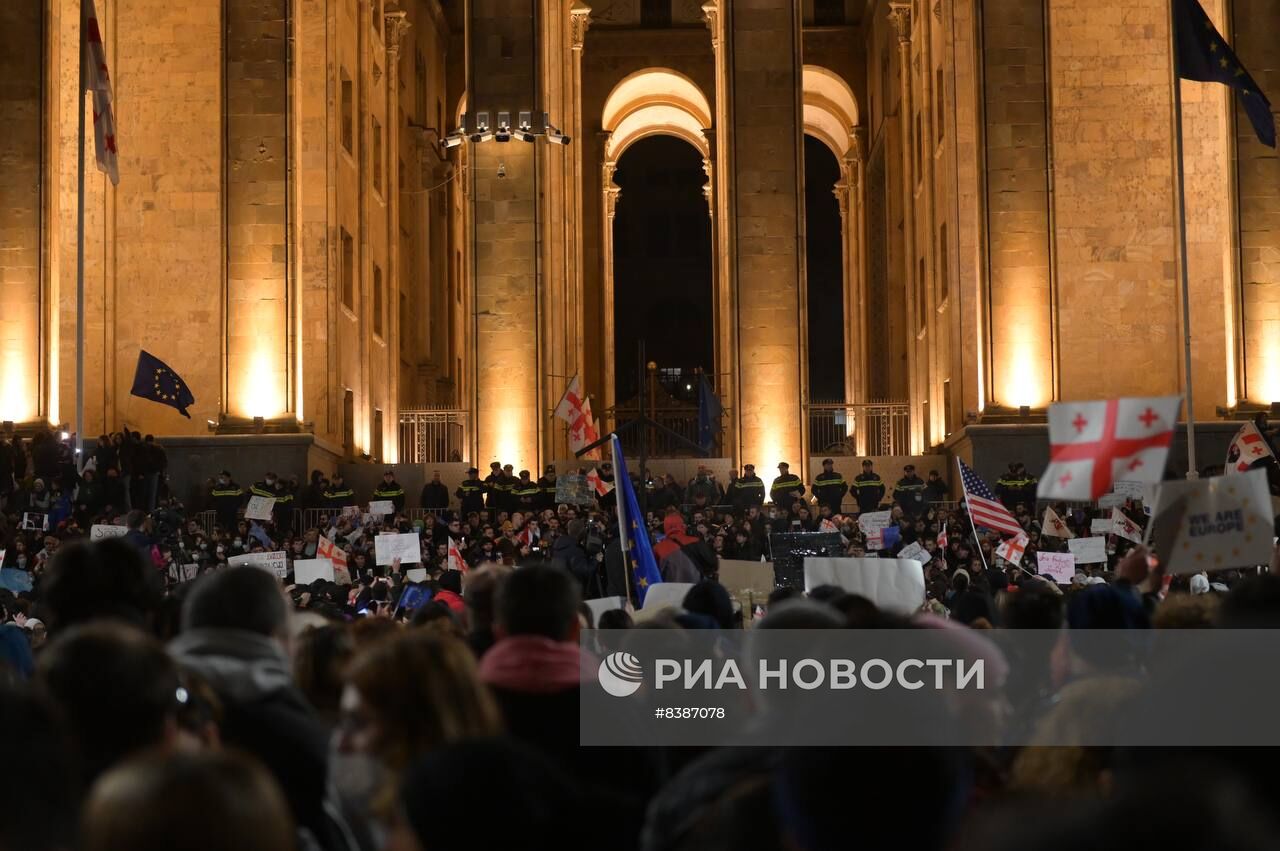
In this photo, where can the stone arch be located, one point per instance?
(830, 109)
(654, 101)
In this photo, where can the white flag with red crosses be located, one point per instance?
(1013, 549)
(1054, 527)
(97, 80)
(1247, 448)
(1124, 527)
(1093, 444)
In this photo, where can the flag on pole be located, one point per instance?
(709, 412)
(599, 485)
(337, 556)
(154, 380)
(93, 58)
(456, 561)
(635, 537)
(575, 409)
(1093, 444)
(942, 537)
(1203, 54)
(528, 535)
(984, 509)
(1124, 527)
(1054, 527)
(1013, 549)
(1247, 448)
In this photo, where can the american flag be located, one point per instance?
(985, 510)
(98, 81)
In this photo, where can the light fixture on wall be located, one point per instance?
(505, 131)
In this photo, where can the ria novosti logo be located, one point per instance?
(620, 674)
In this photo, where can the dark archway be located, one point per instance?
(824, 260)
(662, 263)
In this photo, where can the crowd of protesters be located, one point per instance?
(156, 697)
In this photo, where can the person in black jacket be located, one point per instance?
(747, 490)
(829, 487)
(786, 489)
(226, 497)
(390, 490)
(868, 488)
(909, 492)
(435, 496)
(471, 493)
(547, 488)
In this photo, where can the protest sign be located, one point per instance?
(605, 604)
(259, 507)
(1213, 524)
(1059, 567)
(872, 524)
(33, 521)
(915, 552)
(99, 531)
(382, 507)
(895, 585)
(416, 574)
(389, 547)
(1100, 526)
(1111, 500)
(788, 550)
(188, 572)
(662, 595)
(308, 570)
(1089, 550)
(350, 511)
(573, 489)
(276, 563)
(1131, 490)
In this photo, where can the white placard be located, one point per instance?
(416, 574)
(101, 531)
(663, 594)
(1100, 526)
(1132, 490)
(606, 604)
(1213, 524)
(259, 507)
(308, 570)
(1089, 550)
(276, 563)
(350, 511)
(1111, 500)
(894, 585)
(1058, 566)
(404, 546)
(873, 524)
(382, 507)
(915, 552)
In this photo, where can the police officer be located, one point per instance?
(787, 488)
(829, 487)
(936, 490)
(227, 497)
(909, 492)
(1008, 487)
(286, 496)
(337, 496)
(390, 489)
(508, 501)
(747, 490)
(265, 487)
(470, 493)
(493, 487)
(547, 488)
(868, 488)
(525, 493)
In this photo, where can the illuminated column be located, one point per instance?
(257, 292)
(760, 48)
(395, 26)
(609, 196)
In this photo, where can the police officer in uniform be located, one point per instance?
(747, 490)
(282, 512)
(547, 488)
(227, 496)
(909, 492)
(337, 496)
(868, 488)
(508, 501)
(493, 487)
(525, 493)
(390, 489)
(470, 493)
(829, 487)
(786, 489)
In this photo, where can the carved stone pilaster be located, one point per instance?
(900, 16)
(397, 24)
(711, 15)
(612, 191)
(579, 23)
(842, 190)
(708, 188)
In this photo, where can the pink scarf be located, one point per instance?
(533, 664)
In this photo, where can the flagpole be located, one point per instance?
(977, 542)
(79, 459)
(622, 522)
(1180, 193)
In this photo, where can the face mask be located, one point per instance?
(238, 541)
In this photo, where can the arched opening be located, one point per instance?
(824, 260)
(662, 266)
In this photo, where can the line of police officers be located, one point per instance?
(830, 487)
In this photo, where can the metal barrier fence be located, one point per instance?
(433, 435)
(871, 428)
(681, 420)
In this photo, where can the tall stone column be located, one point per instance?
(900, 15)
(395, 25)
(761, 57)
(610, 193)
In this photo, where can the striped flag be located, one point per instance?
(93, 58)
(985, 510)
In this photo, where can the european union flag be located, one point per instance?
(154, 380)
(1203, 54)
(635, 536)
(709, 411)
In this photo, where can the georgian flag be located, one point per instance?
(1013, 549)
(1054, 527)
(1247, 447)
(1093, 444)
(456, 561)
(599, 485)
(575, 409)
(337, 556)
(1124, 527)
(93, 58)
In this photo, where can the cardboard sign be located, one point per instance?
(873, 524)
(404, 546)
(605, 604)
(416, 574)
(382, 507)
(1213, 524)
(1060, 567)
(1100, 526)
(101, 531)
(662, 595)
(915, 552)
(277, 563)
(259, 507)
(894, 585)
(1089, 550)
(1132, 490)
(350, 511)
(308, 570)
(1111, 500)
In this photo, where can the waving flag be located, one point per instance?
(599, 485)
(1093, 444)
(1013, 549)
(1203, 54)
(575, 409)
(635, 537)
(984, 509)
(1054, 527)
(336, 555)
(456, 561)
(154, 380)
(709, 413)
(93, 59)
(1124, 527)
(1247, 448)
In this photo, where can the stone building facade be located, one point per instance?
(290, 234)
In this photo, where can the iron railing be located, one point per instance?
(868, 428)
(682, 420)
(433, 435)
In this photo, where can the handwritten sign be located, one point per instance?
(1089, 550)
(388, 548)
(308, 570)
(1213, 524)
(873, 524)
(1059, 567)
(1100, 526)
(1111, 500)
(276, 563)
(101, 531)
(1132, 490)
(416, 574)
(382, 507)
(259, 507)
(915, 552)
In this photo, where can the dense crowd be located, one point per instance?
(157, 697)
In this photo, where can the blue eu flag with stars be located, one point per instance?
(1203, 54)
(631, 526)
(154, 380)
